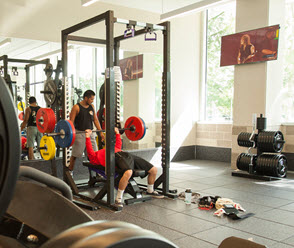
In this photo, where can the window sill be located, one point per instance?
(287, 124)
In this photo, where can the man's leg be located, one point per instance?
(72, 163)
(152, 176)
(31, 153)
(142, 164)
(38, 138)
(150, 186)
(123, 183)
(77, 150)
(31, 136)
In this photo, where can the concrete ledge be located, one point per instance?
(219, 154)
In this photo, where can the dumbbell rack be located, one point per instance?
(267, 164)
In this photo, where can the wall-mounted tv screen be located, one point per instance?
(250, 46)
(132, 67)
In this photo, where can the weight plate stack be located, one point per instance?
(243, 161)
(243, 139)
(270, 141)
(272, 165)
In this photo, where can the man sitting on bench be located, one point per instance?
(125, 163)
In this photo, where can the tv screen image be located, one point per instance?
(132, 67)
(250, 46)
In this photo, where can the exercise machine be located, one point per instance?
(42, 214)
(112, 59)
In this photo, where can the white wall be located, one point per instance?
(185, 77)
(275, 68)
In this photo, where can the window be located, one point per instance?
(219, 80)
(100, 69)
(287, 93)
(86, 69)
(39, 77)
(158, 84)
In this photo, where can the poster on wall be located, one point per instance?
(250, 46)
(132, 67)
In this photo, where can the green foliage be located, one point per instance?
(86, 83)
(220, 80)
(287, 97)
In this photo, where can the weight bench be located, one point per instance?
(132, 188)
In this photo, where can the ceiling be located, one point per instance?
(157, 6)
(30, 49)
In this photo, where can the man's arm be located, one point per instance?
(73, 113)
(96, 122)
(90, 151)
(239, 58)
(118, 142)
(26, 118)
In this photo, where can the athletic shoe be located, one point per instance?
(155, 194)
(119, 203)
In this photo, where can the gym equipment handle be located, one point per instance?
(46, 179)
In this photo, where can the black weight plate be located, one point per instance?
(50, 86)
(9, 147)
(281, 166)
(278, 147)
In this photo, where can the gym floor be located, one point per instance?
(187, 226)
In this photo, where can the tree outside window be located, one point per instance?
(219, 80)
(158, 84)
(287, 93)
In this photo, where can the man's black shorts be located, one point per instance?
(126, 161)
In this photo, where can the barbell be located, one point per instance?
(65, 132)
(45, 121)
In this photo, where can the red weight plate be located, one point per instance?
(23, 142)
(103, 119)
(139, 128)
(144, 128)
(20, 116)
(45, 120)
(73, 132)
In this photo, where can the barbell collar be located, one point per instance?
(53, 134)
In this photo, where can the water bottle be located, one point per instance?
(188, 196)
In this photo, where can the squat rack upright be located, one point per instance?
(112, 59)
(29, 63)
